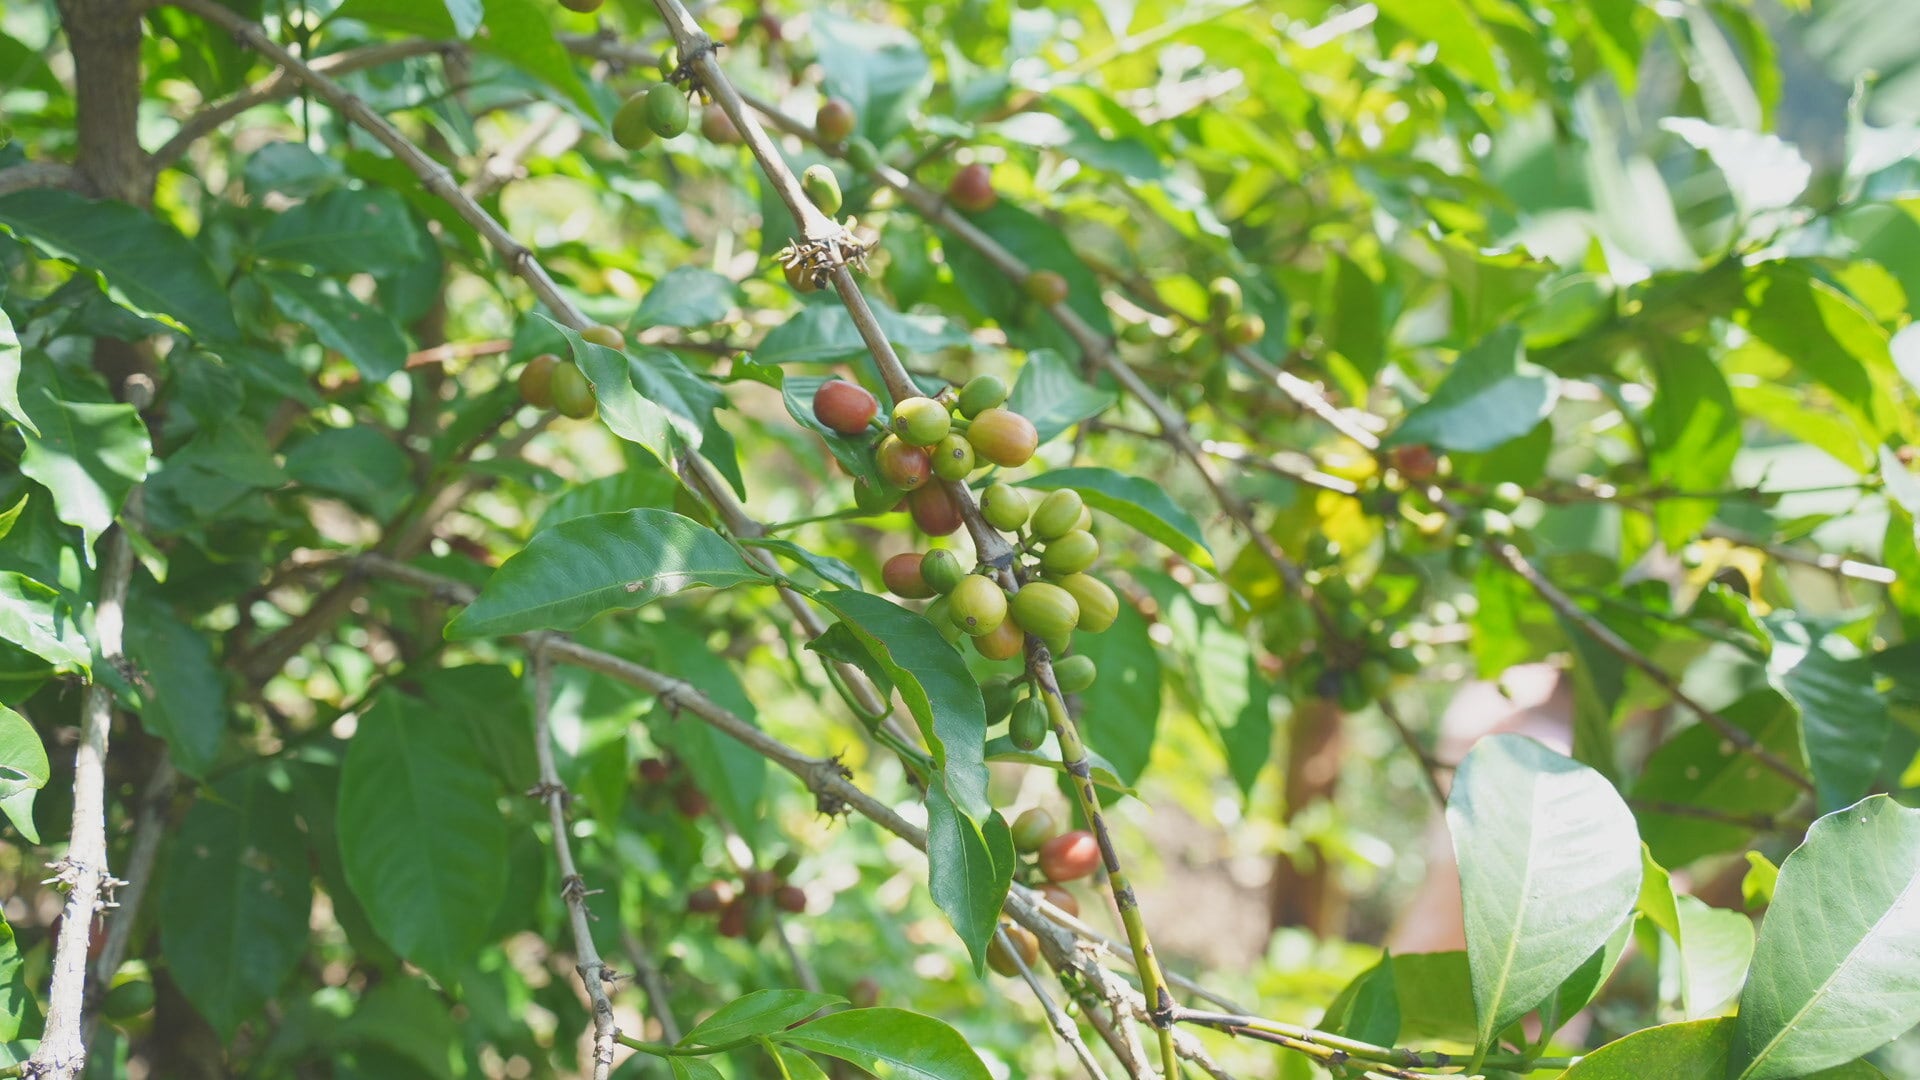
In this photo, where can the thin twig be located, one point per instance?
(647, 974)
(150, 827)
(1062, 1024)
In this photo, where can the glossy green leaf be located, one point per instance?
(1136, 502)
(1368, 1009)
(797, 1065)
(184, 695)
(588, 566)
(1693, 1048)
(912, 1046)
(1549, 868)
(343, 231)
(40, 620)
(1700, 768)
(1053, 396)
(360, 464)
(421, 836)
(969, 869)
(1041, 246)
(1836, 972)
(761, 1012)
(10, 377)
(234, 898)
(829, 569)
(629, 489)
(365, 335)
(148, 266)
(685, 1068)
(1120, 713)
(686, 296)
(23, 771)
(88, 455)
(1490, 395)
(823, 332)
(1843, 720)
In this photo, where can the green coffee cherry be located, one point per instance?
(666, 110)
(1376, 677)
(941, 570)
(1074, 673)
(862, 155)
(997, 692)
(1005, 507)
(630, 128)
(1057, 514)
(1028, 728)
(822, 187)
(1223, 297)
(1044, 610)
(982, 392)
(1099, 607)
(1032, 829)
(940, 614)
(921, 421)
(128, 1000)
(953, 458)
(1071, 553)
(978, 606)
(1139, 333)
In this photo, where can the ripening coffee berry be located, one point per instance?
(704, 901)
(941, 570)
(733, 918)
(971, 189)
(935, 511)
(902, 576)
(690, 801)
(717, 127)
(1005, 507)
(572, 393)
(1004, 438)
(862, 154)
(1098, 604)
(1024, 943)
(1245, 329)
(1059, 897)
(1074, 673)
(980, 393)
(1044, 610)
(921, 421)
(1071, 553)
(905, 467)
(940, 614)
(655, 771)
(977, 605)
(791, 899)
(666, 110)
(1032, 829)
(997, 693)
(1028, 728)
(953, 458)
(602, 334)
(1004, 643)
(536, 387)
(834, 122)
(1415, 461)
(1223, 297)
(1046, 287)
(1070, 856)
(630, 128)
(845, 407)
(1057, 514)
(822, 188)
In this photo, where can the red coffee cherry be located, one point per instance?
(536, 380)
(1059, 897)
(904, 466)
(733, 918)
(835, 121)
(1417, 461)
(902, 576)
(1028, 946)
(704, 901)
(655, 771)
(1046, 287)
(1070, 856)
(864, 994)
(690, 801)
(935, 511)
(759, 882)
(845, 407)
(791, 899)
(971, 189)
(1004, 438)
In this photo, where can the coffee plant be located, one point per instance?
(607, 538)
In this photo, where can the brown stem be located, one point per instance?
(152, 820)
(36, 174)
(104, 37)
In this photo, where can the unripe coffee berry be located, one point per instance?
(1032, 829)
(935, 510)
(1005, 507)
(1045, 610)
(584, 7)
(971, 189)
(666, 110)
(1245, 329)
(1071, 553)
(1028, 728)
(941, 570)
(902, 465)
(822, 187)
(980, 393)
(1024, 943)
(872, 498)
(1070, 856)
(1223, 297)
(536, 380)
(572, 393)
(630, 128)
(1099, 607)
(845, 407)
(1046, 287)
(602, 334)
(977, 605)
(862, 154)
(1084, 522)
(1004, 643)
(1057, 514)
(1004, 438)
(921, 421)
(1074, 673)
(1059, 897)
(135, 998)
(996, 693)
(953, 458)
(940, 614)
(902, 576)
(786, 864)
(834, 122)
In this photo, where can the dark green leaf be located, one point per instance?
(1843, 720)
(1693, 436)
(1051, 395)
(366, 336)
(686, 296)
(185, 697)
(914, 1047)
(823, 332)
(734, 776)
(1136, 502)
(488, 701)
(343, 231)
(1369, 1008)
(88, 455)
(291, 169)
(1490, 395)
(360, 464)
(19, 1012)
(762, 1012)
(1121, 712)
(1692, 1048)
(1038, 244)
(685, 1068)
(969, 868)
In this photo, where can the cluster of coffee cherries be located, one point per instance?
(548, 382)
(662, 110)
(666, 776)
(1058, 857)
(748, 906)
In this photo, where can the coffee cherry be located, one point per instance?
(669, 62)
(902, 576)
(935, 510)
(1070, 856)
(862, 154)
(872, 498)
(1024, 943)
(822, 187)
(941, 570)
(905, 467)
(630, 128)
(1004, 438)
(666, 110)
(536, 380)
(940, 614)
(1417, 461)
(655, 771)
(864, 994)
(572, 393)
(717, 127)
(1071, 553)
(791, 899)
(953, 458)
(134, 998)
(1245, 329)
(759, 882)
(1084, 522)
(1057, 514)
(845, 407)
(1352, 693)
(760, 919)
(978, 605)
(980, 393)
(1223, 298)
(1099, 607)
(690, 801)
(1028, 728)
(1506, 497)
(704, 901)
(1059, 897)
(971, 189)
(1074, 673)
(1005, 507)
(921, 421)
(786, 864)
(834, 122)
(996, 692)
(1044, 610)
(584, 7)
(733, 918)
(800, 278)
(1032, 829)
(602, 334)
(1046, 287)
(1004, 643)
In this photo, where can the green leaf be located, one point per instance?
(12, 514)
(10, 376)
(497, 713)
(1049, 393)
(19, 1012)
(650, 413)
(1693, 435)
(1450, 26)
(1137, 502)
(1104, 774)
(1549, 868)
(1694, 1048)
(366, 336)
(1352, 319)
(969, 868)
(588, 566)
(1716, 947)
(687, 296)
(694, 1069)
(632, 487)
(148, 266)
(88, 455)
(1699, 768)
(913, 1046)
(343, 231)
(518, 31)
(880, 70)
(184, 696)
(829, 569)
(290, 169)
(234, 898)
(1490, 396)
(23, 771)
(730, 773)
(1843, 720)
(759, 1013)
(40, 620)
(1369, 1008)
(360, 464)
(797, 1065)
(421, 836)
(823, 332)
(853, 452)
(1121, 710)
(1826, 334)
(1836, 972)
(1763, 172)
(1036, 242)
(1758, 883)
